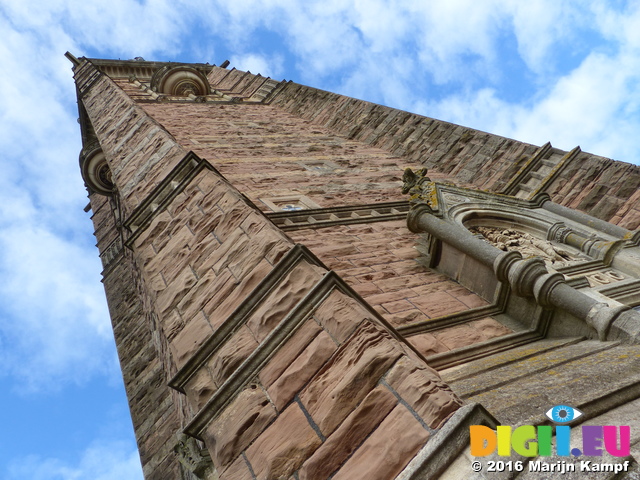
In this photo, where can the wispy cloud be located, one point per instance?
(267, 66)
(567, 72)
(100, 461)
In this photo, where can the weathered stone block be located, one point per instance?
(289, 352)
(223, 303)
(314, 356)
(238, 425)
(194, 300)
(340, 315)
(284, 446)
(187, 342)
(175, 291)
(230, 355)
(427, 344)
(389, 448)
(199, 389)
(349, 376)
(238, 470)
(282, 299)
(348, 436)
(424, 391)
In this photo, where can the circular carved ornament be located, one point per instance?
(180, 81)
(96, 172)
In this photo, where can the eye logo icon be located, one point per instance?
(563, 414)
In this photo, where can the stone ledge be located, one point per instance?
(347, 215)
(161, 196)
(482, 349)
(297, 254)
(447, 443)
(252, 365)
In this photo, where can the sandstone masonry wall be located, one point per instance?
(279, 361)
(605, 188)
(267, 153)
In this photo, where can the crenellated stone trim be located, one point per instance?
(511, 187)
(347, 215)
(111, 253)
(539, 171)
(86, 75)
(555, 171)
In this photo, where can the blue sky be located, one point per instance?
(541, 70)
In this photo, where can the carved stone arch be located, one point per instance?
(180, 81)
(95, 170)
(471, 215)
(530, 232)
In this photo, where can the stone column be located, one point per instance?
(528, 277)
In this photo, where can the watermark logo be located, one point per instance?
(563, 414)
(532, 441)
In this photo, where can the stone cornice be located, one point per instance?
(142, 69)
(346, 215)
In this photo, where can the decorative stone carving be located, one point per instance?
(604, 278)
(422, 190)
(559, 233)
(180, 81)
(195, 459)
(528, 245)
(96, 172)
(412, 181)
(453, 200)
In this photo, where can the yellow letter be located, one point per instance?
(504, 441)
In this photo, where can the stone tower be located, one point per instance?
(294, 296)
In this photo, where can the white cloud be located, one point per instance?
(540, 25)
(54, 316)
(126, 27)
(101, 461)
(267, 66)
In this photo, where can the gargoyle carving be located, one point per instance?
(421, 188)
(412, 181)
